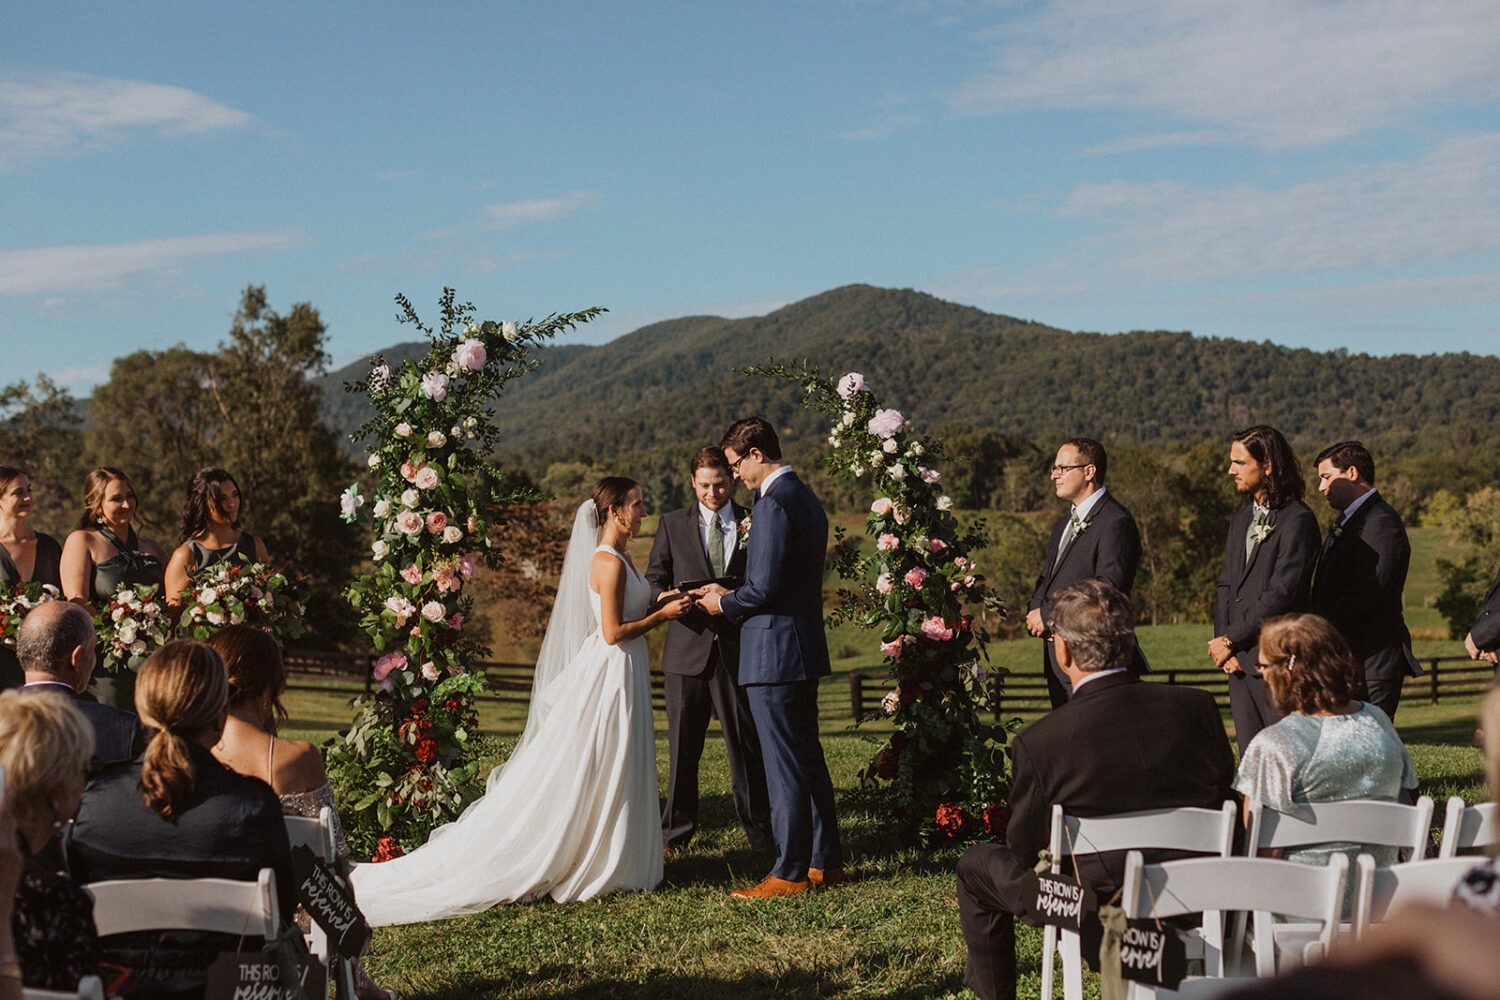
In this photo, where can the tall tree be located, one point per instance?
(39, 431)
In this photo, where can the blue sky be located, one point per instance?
(1321, 174)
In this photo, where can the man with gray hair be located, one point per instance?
(55, 645)
(1118, 744)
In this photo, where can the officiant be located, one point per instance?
(700, 660)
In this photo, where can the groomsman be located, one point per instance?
(1483, 640)
(701, 659)
(1268, 566)
(1097, 539)
(1361, 573)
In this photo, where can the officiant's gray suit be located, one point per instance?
(700, 668)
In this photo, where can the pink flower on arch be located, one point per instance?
(851, 385)
(886, 423)
(412, 575)
(409, 522)
(436, 522)
(893, 649)
(446, 578)
(936, 629)
(387, 663)
(884, 583)
(471, 355)
(937, 545)
(915, 576)
(426, 478)
(466, 565)
(881, 506)
(887, 542)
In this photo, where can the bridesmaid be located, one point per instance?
(25, 555)
(210, 531)
(104, 553)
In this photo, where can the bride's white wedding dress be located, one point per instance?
(574, 812)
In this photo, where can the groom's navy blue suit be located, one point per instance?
(783, 652)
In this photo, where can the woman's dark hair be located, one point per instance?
(753, 432)
(8, 475)
(1307, 664)
(95, 484)
(181, 694)
(253, 663)
(1268, 448)
(202, 500)
(611, 493)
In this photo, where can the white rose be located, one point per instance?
(833, 439)
(127, 633)
(215, 618)
(471, 422)
(877, 458)
(403, 430)
(453, 534)
(890, 446)
(433, 611)
(916, 449)
(456, 431)
(848, 420)
(410, 498)
(138, 647)
(436, 439)
(510, 331)
(207, 595)
(858, 470)
(898, 472)
(945, 502)
(382, 508)
(380, 549)
(373, 461)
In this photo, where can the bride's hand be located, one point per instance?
(675, 605)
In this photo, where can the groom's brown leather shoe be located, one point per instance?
(830, 876)
(769, 888)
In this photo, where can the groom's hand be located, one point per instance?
(708, 598)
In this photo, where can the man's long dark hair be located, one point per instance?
(1267, 447)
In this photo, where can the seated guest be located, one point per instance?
(45, 748)
(12, 869)
(56, 646)
(176, 812)
(294, 770)
(1117, 745)
(1328, 747)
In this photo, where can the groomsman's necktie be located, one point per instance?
(716, 546)
(1074, 526)
(1334, 530)
(1258, 520)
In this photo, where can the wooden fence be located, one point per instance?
(1024, 696)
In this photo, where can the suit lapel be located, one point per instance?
(693, 527)
(736, 566)
(1247, 555)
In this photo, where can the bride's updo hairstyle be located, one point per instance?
(753, 432)
(611, 493)
(202, 500)
(181, 695)
(253, 664)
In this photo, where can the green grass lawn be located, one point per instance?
(893, 932)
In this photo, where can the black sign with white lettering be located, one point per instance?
(1152, 954)
(1058, 900)
(328, 901)
(254, 975)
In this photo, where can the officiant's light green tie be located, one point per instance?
(716, 546)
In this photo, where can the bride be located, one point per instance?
(573, 813)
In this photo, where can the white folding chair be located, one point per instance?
(316, 834)
(89, 988)
(1379, 890)
(225, 905)
(1200, 831)
(1212, 886)
(1468, 828)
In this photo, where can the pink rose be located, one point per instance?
(457, 621)
(403, 429)
(936, 629)
(446, 578)
(466, 565)
(435, 386)
(408, 471)
(412, 575)
(915, 576)
(893, 649)
(881, 506)
(937, 545)
(473, 525)
(884, 583)
(929, 475)
(886, 423)
(887, 542)
(409, 522)
(851, 384)
(436, 522)
(388, 663)
(400, 607)
(429, 669)
(426, 478)
(471, 355)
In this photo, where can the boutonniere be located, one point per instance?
(1260, 531)
(742, 532)
(1079, 525)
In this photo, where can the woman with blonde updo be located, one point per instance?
(45, 748)
(105, 551)
(210, 531)
(176, 812)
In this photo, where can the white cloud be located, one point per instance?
(1439, 207)
(106, 267)
(43, 115)
(1281, 73)
(515, 214)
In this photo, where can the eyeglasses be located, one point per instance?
(1062, 470)
(734, 466)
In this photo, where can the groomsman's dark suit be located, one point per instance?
(117, 733)
(1358, 585)
(1118, 745)
(783, 653)
(700, 666)
(1109, 549)
(1485, 635)
(1273, 580)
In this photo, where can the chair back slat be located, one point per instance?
(1359, 821)
(227, 906)
(1467, 828)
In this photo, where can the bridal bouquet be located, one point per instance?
(240, 594)
(131, 626)
(16, 600)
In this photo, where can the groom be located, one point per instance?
(783, 652)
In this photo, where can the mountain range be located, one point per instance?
(942, 363)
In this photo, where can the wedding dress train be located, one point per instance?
(574, 812)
